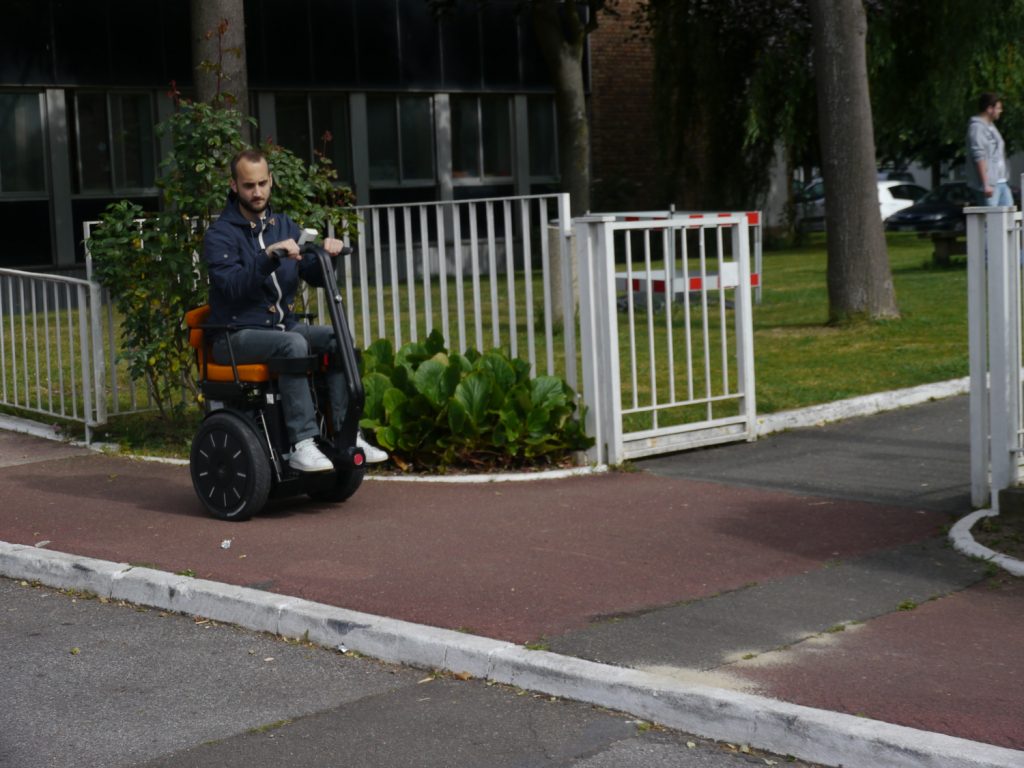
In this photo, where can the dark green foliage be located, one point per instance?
(435, 409)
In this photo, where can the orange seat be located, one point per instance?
(209, 370)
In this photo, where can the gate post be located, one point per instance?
(977, 321)
(745, 327)
(1003, 350)
(599, 340)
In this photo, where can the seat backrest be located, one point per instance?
(194, 320)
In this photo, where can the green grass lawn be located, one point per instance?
(802, 361)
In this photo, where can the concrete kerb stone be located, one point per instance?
(866, 405)
(963, 542)
(810, 734)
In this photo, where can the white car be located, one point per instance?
(893, 196)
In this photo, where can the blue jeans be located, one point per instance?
(1000, 195)
(256, 345)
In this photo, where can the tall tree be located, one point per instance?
(218, 55)
(859, 275)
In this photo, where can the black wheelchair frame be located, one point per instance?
(239, 454)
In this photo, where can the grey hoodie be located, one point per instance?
(984, 142)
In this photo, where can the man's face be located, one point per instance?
(252, 184)
(995, 111)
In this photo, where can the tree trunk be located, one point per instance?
(561, 41)
(859, 275)
(218, 55)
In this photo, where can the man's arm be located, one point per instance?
(235, 277)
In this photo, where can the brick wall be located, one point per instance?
(624, 151)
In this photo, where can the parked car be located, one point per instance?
(893, 196)
(941, 210)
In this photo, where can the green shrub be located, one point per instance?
(435, 409)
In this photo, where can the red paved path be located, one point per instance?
(515, 561)
(520, 561)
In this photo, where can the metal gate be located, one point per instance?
(995, 311)
(666, 332)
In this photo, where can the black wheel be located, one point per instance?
(230, 469)
(346, 482)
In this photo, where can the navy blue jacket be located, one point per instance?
(248, 287)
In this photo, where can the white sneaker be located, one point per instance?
(374, 455)
(308, 458)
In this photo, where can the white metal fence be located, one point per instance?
(994, 297)
(50, 358)
(485, 273)
(655, 306)
(666, 332)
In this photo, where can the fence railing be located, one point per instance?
(484, 273)
(666, 332)
(51, 360)
(506, 272)
(994, 298)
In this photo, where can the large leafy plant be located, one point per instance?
(435, 409)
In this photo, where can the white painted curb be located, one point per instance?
(866, 405)
(963, 542)
(810, 734)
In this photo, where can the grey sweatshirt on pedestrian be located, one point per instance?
(984, 142)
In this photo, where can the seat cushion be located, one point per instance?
(253, 372)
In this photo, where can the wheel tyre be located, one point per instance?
(346, 482)
(230, 470)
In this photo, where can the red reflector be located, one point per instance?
(358, 459)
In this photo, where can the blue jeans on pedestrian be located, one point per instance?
(257, 345)
(1001, 195)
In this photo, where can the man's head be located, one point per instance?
(252, 182)
(990, 105)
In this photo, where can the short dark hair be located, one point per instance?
(250, 156)
(987, 100)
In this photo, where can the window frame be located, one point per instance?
(46, 193)
(116, 189)
(483, 178)
(402, 182)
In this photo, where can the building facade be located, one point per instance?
(416, 108)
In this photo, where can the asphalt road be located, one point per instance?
(107, 685)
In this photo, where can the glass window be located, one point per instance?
(331, 133)
(420, 48)
(496, 129)
(417, 127)
(401, 141)
(376, 52)
(94, 173)
(21, 143)
(25, 44)
(481, 136)
(382, 124)
(543, 136)
(115, 141)
(460, 47)
(465, 137)
(500, 30)
(292, 116)
(134, 141)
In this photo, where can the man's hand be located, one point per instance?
(333, 246)
(289, 247)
